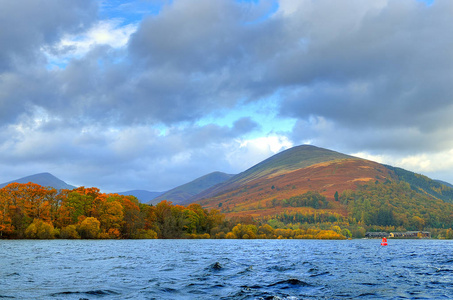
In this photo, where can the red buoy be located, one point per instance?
(384, 242)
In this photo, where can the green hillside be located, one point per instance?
(398, 204)
(423, 184)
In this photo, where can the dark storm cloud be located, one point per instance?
(203, 36)
(192, 59)
(27, 25)
(353, 63)
(385, 69)
(198, 57)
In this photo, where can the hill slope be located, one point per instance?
(43, 179)
(420, 183)
(181, 194)
(293, 159)
(266, 188)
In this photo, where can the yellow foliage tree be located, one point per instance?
(89, 228)
(39, 229)
(69, 232)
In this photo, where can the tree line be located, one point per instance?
(32, 211)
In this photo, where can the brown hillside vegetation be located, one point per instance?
(296, 158)
(256, 197)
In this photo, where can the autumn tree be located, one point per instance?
(132, 216)
(244, 231)
(111, 216)
(170, 220)
(90, 228)
(39, 229)
(69, 232)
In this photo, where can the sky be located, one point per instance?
(151, 94)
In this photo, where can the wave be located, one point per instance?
(90, 293)
(289, 283)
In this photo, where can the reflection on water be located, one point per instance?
(226, 269)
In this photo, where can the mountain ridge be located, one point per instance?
(288, 160)
(44, 179)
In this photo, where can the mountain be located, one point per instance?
(181, 194)
(293, 159)
(142, 195)
(272, 186)
(43, 179)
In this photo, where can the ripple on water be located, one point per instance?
(87, 293)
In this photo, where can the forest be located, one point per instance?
(397, 204)
(31, 211)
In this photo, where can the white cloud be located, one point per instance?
(247, 153)
(423, 163)
(383, 159)
(105, 32)
(272, 143)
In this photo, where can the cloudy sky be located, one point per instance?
(150, 94)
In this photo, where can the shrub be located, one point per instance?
(40, 230)
(69, 232)
(89, 228)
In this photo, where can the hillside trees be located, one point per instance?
(396, 204)
(309, 199)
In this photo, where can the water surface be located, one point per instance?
(226, 269)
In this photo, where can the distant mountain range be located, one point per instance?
(43, 179)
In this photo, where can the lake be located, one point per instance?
(226, 269)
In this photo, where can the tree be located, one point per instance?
(69, 232)
(133, 218)
(39, 229)
(170, 220)
(111, 216)
(417, 223)
(89, 228)
(6, 227)
(266, 231)
(242, 231)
